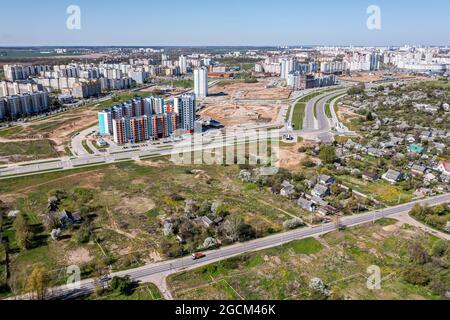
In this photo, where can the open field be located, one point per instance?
(264, 89)
(381, 190)
(234, 103)
(377, 76)
(180, 83)
(124, 205)
(339, 259)
(26, 150)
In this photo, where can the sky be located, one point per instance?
(224, 23)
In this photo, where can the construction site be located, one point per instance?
(235, 102)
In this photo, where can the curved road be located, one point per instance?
(171, 266)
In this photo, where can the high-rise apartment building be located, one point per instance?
(182, 63)
(201, 82)
(147, 119)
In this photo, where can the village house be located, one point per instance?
(444, 167)
(326, 180)
(320, 191)
(306, 204)
(370, 176)
(68, 219)
(418, 169)
(287, 189)
(415, 149)
(327, 210)
(393, 176)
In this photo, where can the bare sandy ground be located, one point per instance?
(238, 103)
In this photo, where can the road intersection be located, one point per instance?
(144, 273)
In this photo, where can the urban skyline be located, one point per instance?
(259, 23)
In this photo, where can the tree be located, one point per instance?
(418, 254)
(38, 282)
(232, 227)
(327, 154)
(23, 231)
(369, 116)
(246, 232)
(123, 285)
(85, 233)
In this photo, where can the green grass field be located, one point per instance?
(381, 190)
(340, 259)
(27, 150)
(189, 84)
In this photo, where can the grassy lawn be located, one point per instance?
(189, 84)
(299, 108)
(86, 147)
(120, 98)
(125, 204)
(340, 259)
(27, 150)
(143, 292)
(297, 116)
(381, 190)
(10, 131)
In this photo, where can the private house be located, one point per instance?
(393, 176)
(415, 149)
(444, 167)
(326, 180)
(370, 176)
(68, 219)
(426, 135)
(418, 170)
(422, 192)
(306, 204)
(287, 189)
(374, 152)
(327, 210)
(320, 191)
(207, 222)
(319, 201)
(429, 177)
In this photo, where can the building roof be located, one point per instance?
(415, 148)
(304, 203)
(445, 165)
(320, 188)
(392, 175)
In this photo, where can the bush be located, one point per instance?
(440, 247)
(416, 275)
(293, 223)
(418, 254)
(246, 232)
(124, 285)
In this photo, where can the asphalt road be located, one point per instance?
(139, 274)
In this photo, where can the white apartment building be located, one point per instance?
(201, 82)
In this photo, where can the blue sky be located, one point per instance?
(230, 22)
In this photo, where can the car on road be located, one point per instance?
(198, 255)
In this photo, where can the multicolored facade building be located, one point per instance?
(148, 119)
